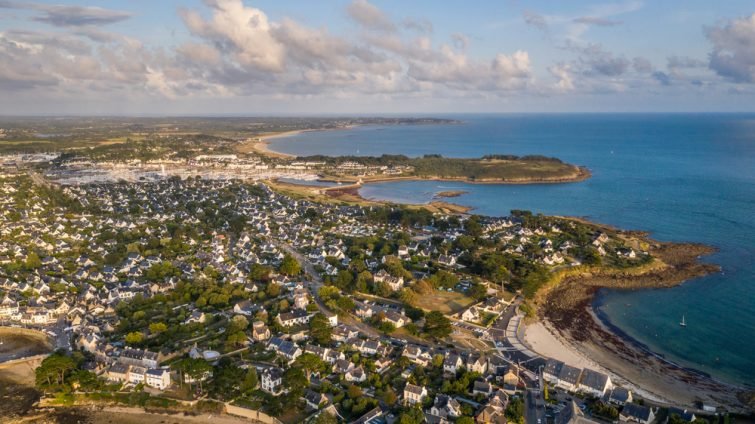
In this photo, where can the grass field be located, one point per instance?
(445, 302)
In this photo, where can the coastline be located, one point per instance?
(576, 326)
(569, 312)
(350, 194)
(572, 328)
(262, 147)
(582, 174)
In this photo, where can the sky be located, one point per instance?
(303, 57)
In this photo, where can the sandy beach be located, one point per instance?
(573, 327)
(548, 344)
(118, 415)
(21, 342)
(122, 415)
(260, 145)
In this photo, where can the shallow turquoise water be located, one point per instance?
(681, 177)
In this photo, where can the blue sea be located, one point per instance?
(682, 177)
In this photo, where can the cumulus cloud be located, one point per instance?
(564, 79)
(733, 55)
(69, 16)
(238, 30)
(247, 48)
(369, 16)
(236, 49)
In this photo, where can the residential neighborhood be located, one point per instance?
(185, 289)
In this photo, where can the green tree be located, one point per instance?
(478, 291)
(310, 363)
(290, 266)
(320, 329)
(389, 397)
(32, 261)
(134, 337)
(238, 323)
(226, 380)
(353, 391)
(157, 328)
(250, 380)
(343, 279)
(345, 304)
(328, 292)
(413, 415)
(515, 411)
(260, 272)
(437, 325)
(52, 372)
(295, 381)
(325, 418)
(273, 290)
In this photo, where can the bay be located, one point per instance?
(682, 177)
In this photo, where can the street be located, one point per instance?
(534, 407)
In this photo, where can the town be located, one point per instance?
(226, 296)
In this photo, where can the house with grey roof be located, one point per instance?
(637, 413)
(594, 383)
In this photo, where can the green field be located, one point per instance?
(445, 302)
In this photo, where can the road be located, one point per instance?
(504, 335)
(316, 283)
(534, 407)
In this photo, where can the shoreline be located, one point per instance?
(20, 343)
(262, 146)
(569, 310)
(353, 190)
(582, 174)
(605, 347)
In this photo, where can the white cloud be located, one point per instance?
(369, 16)
(562, 73)
(733, 55)
(241, 31)
(235, 49)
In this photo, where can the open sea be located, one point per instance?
(682, 177)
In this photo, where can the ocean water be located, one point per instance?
(681, 177)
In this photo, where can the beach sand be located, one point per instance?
(261, 145)
(567, 311)
(119, 415)
(547, 342)
(549, 345)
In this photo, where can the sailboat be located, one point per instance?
(683, 323)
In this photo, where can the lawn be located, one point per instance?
(445, 302)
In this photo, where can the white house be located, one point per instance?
(158, 378)
(594, 383)
(452, 363)
(414, 394)
(272, 380)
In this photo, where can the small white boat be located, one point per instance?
(683, 323)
